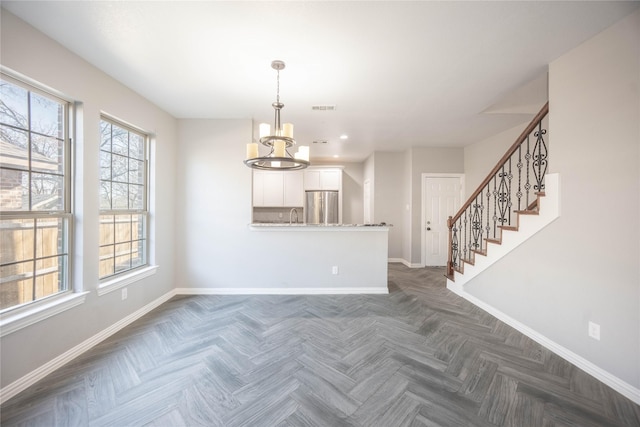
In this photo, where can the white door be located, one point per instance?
(441, 200)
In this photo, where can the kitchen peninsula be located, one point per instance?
(328, 259)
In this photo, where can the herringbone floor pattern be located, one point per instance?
(420, 356)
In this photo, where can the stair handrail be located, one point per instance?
(536, 122)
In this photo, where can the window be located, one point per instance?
(35, 194)
(123, 198)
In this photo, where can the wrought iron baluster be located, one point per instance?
(464, 237)
(454, 245)
(509, 203)
(527, 185)
(476, 223)
(539, 158)
(488, 226)
(503, 196)
(495, 216)
(519, 166)
(470, 210)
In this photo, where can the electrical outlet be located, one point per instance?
(124, 294)
(594, 331)
(334, 269)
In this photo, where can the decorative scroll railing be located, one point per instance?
(511, 186)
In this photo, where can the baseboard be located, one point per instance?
(406, 263)
(281, 291)
(31, 378)
(607, 378)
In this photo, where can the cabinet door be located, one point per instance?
(273, 189)
(312, 180)
(330, 180)
(293, 189)
(268, 188)
(258, 188)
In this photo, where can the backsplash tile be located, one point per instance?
(276, 215)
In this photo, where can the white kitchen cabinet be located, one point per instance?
(293, 189)
(277, 189)
(323, 179)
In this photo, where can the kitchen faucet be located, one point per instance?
(291, 212)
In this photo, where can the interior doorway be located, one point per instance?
(441, 198)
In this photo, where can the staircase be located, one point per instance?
(516, 200)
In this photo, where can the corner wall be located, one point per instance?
(32, 54)
(587, 262)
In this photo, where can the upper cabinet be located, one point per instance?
(277, 189)
(323, 179)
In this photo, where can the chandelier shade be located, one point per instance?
(279, 142)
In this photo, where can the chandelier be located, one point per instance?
(279, 142)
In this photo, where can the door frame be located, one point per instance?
(423, 224)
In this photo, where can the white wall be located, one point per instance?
(585, 266)
(30, 53)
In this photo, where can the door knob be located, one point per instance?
(428, 228)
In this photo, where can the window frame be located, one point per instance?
(65, 215)
(120, 278)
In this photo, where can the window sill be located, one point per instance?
(126, 279)
(21, 318)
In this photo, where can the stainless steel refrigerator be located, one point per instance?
(322, 207)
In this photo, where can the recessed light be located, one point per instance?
(335, 156)
(344, 136)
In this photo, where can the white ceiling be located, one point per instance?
(401, 74)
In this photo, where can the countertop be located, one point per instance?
(319, 227)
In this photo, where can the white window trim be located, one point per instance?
(131, 275)
(126, 279)
(19, 317)
(38, 311)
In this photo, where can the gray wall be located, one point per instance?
(481, 157)
(218, 250)
(585, 266)
(428, 160)
(389, 186)
(407, 208)
(396, 187)
(30, 53)
(368, 170)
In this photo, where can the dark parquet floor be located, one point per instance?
(420, 356)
